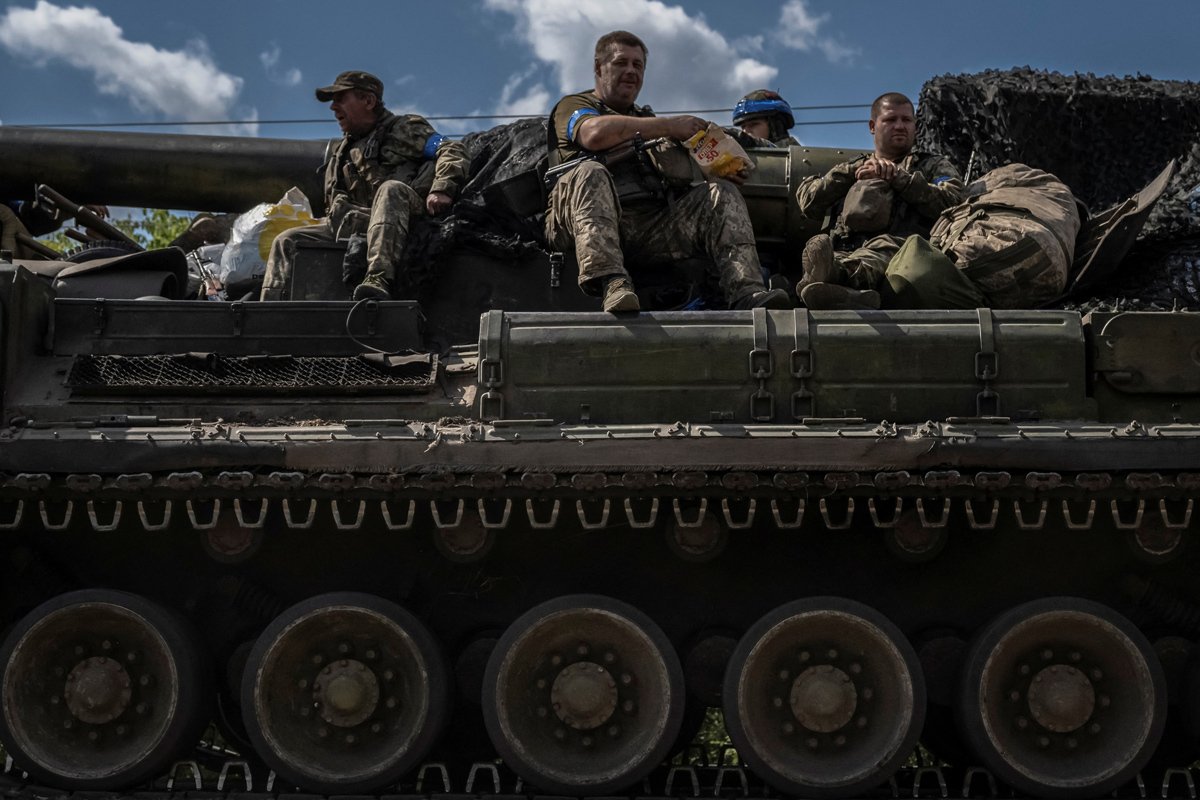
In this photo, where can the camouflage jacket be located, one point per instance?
(565, 118)
(400, 147)
(928, 185)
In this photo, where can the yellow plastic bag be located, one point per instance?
(245, 256)
(718, 154)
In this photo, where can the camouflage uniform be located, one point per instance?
(374, 184)
(709, 219)
(932, 185)
(10, 226)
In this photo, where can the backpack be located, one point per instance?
(1014, 236)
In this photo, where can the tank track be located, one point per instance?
(215, 775)
(609, 475)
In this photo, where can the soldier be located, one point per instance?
(386, 169)
(10, 226)
(878, 201)
(709, 218)
(765, 115)
(29, 219)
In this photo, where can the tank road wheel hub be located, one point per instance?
(102, 690)
(583, 695)
(824, 697)
(1063, 697)
(98, 690)
(344, 693)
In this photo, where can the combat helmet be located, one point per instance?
(764, 103)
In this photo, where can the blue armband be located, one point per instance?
(575, 118)
(942, 179)
(432, 144)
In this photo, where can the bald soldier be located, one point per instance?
(701, 218)
(386, 169)
(876, 201)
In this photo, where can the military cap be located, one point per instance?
(353, 79)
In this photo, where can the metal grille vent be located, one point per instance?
(214, 374)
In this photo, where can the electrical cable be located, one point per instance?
(436, 118)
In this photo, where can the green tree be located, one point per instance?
(157, 227)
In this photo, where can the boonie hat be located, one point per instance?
(354, 79)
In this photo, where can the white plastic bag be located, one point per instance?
(718, 154)
(245, 254)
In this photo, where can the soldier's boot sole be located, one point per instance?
(371, 291)
(619, 296)
(832, 297)
(818, 262)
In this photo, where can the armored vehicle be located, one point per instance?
(491, 540)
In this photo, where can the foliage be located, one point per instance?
(157, 227)
(711, 745)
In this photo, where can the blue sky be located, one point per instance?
(256, 61)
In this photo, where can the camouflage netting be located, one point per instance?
(1106, 138)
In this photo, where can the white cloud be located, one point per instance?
(799, 29)
(180, 84)
(270, 61)
(690, 65)
(519, 98)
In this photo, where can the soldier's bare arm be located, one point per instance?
(597, 133)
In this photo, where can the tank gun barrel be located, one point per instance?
(199, 173)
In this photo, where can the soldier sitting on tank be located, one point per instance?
(386, 169)
(765, 115)
(877, 200)
(586, 209)
(1009, 245)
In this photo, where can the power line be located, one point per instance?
(439, 118)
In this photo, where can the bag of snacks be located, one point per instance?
(718, 154)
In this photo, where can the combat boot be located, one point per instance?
(374, 287)
(832, 297)
(775, 298)
(619, 296)
(819, 263)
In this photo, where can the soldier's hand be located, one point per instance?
(438, 203)
(685, 127)
(876, 168)
(99, 211)
(737, 178)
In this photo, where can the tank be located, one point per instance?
(492, 541)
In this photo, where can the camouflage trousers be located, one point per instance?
(709, 220)
(867, 264)
(385, 225)
(919, 273)
(10, 226)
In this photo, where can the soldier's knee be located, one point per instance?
(396, 194)
(588, 176)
